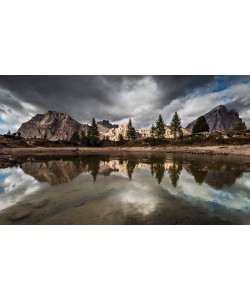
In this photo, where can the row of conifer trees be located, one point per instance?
(92, 137)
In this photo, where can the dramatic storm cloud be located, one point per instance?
(117, 98)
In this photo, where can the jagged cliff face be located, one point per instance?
(114, 133)
(219, 118)
(52, 126)
(59, 126)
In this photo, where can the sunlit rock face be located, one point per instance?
(52, 126)
(219, 118)
(54, 172)
(114, 133)
(56, 126)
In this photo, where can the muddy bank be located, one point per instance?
(8, 155)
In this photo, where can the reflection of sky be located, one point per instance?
(137, 195)
(15, 185)
(142, 194)
(235, 197)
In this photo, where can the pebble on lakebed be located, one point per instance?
(41, 203)
(21, 214)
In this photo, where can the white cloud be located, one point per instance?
(14, 111)
(15, 185)
(191, 107)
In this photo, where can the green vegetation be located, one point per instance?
(201, 125)
(131, 134)
(157, 133)
(83, 138)
(120, 138)
(75, 139)
(93, 134)
(89, 139)
(175, 126)
(240, 126)
(158, 130)
(152, 131)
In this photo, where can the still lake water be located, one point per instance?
(122, 189)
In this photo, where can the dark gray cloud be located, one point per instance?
(87, 92)
(173, 87)
(119, 97)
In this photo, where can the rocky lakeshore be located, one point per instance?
(7, 161)
(9, 156)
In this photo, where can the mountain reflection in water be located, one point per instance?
(62, 170)
(136, 189)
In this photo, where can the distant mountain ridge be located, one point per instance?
(219, 118)
(56, 126)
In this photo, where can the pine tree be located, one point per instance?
(201, 125)
(160, 128)
(83, 138)
(175, 125)
(75, 139)
(240, 126)
(131, 134)
(120, 137)
(93, 133)
(153, 131)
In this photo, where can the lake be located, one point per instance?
(126, 189)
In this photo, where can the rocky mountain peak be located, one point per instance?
(52, 125)
(106, 123)
(220, 118)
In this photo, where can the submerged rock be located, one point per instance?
(21, 214)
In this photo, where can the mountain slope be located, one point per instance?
(52, 126)
(219, 118)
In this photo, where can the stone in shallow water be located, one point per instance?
(21, 214)
(41, 203)
(80, 203)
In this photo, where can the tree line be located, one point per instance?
(157, 131)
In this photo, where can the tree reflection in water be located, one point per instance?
(130, 167)
(198, 171)
(158, 169)
(215, 173)
(93, 166)
(174, 172)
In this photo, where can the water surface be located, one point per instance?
(122, 189)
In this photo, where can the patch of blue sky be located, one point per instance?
(193, 199)
(220, 84)
(1, 130)
(219, 89)
(220, 79)
(220, 195)
(3, 176)
(2, 184)
(215, 207)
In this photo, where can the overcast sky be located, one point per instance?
(117, 98)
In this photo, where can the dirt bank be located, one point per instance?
(243, 150)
